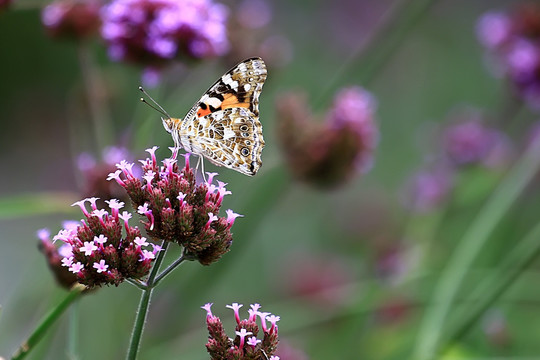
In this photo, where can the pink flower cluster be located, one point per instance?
(246, 345)
(176, 208)
(96, 249)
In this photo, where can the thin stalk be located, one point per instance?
(73, 335)
(169, 268)
(47, 322)
(137, 283)
(469, 247)
(98, 111)
(142, 312)
(519, 259)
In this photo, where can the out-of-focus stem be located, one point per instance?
(96, 100)
(47, 322)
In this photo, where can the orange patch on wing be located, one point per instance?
(204, 112)
(230, 101)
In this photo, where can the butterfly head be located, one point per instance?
(171, 126)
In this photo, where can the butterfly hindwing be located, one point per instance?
(232, 138)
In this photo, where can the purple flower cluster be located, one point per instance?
(467, 141)
(98, 253)
(153, 31)
(177, 209)
(73, 19)
(514, 41)
(246, 345)
(472, 142)
(328, 154)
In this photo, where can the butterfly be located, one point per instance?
(223, 126)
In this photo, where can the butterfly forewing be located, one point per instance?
(223, 126)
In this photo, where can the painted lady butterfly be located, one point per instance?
(223, 126)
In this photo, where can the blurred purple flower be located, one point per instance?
(513, 40)
(151, 32)
(331, 153)
(72, 18)
(428, 189)
(472, 142)
(493, 28)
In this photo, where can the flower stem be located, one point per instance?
(73, 335)
(47, 322)
(169, 268)
(144, 303)
(512, 266)
(469, 247)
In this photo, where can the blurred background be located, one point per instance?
(372, 208)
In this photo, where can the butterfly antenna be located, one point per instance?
(159, 108)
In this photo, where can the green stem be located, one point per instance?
(137, 283)
(47, 322)
(169, 268)
(469, 247)
(144, 303)
(73, 335)
(495, 285)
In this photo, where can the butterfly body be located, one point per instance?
(223, 126)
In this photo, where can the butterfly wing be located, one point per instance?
(232, 138)
(207, 126)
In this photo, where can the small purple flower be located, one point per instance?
(243, 346)
(428, 189)
(152, 32)
(101, 266)
(235, 307)
(470, 142)
(512, 41)
(493, 28)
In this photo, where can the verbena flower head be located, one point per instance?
(72, 18)
(102, 248)
(247, 344)
(513, 40)
(330, 153)
(151, 32)
(178, 209)
(55, 256)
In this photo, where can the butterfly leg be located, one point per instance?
(201, 162)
